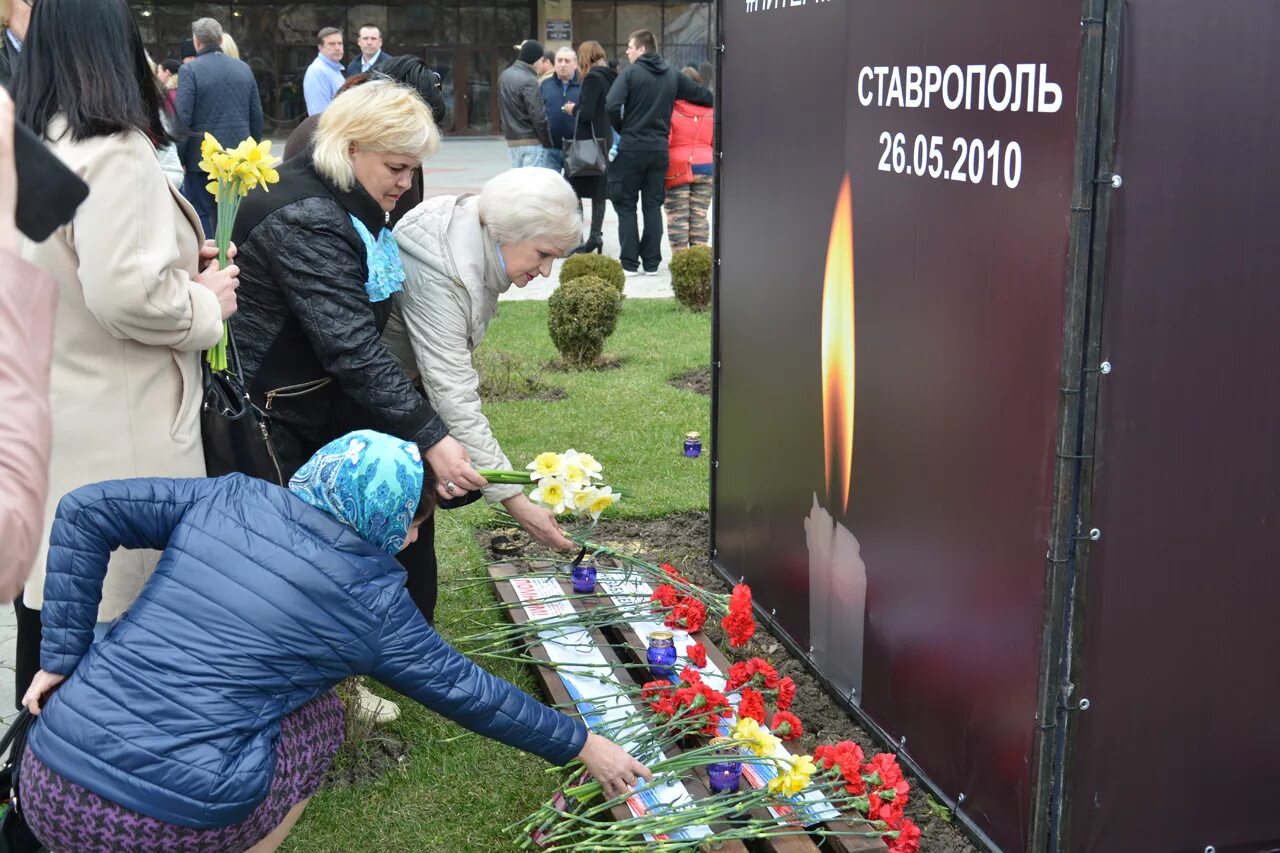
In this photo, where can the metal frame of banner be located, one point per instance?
(1072, 534)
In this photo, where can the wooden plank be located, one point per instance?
(501, 575)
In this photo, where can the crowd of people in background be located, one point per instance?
(201, 624)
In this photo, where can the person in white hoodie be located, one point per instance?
(460, 253)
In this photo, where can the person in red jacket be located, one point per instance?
(690, 171)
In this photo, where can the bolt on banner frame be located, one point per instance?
(1088, 198)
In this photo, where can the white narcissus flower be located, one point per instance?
(546, 465)
(582, 499)
(602, 499)
(590, 465)
(551, 493)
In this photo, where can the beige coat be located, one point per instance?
(453, 281)
(130, 327)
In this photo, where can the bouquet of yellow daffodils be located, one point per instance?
(233, 173)
(565, 482)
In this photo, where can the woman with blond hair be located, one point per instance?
(317, 270)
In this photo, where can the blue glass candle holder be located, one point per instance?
(724, 776)
(583, 576)
(662, 654)
(692, 445)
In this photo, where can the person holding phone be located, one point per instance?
(139, 299)
(27, 300)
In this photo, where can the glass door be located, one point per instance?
(482, 90)
(442, 61)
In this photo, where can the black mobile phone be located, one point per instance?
(48, 191)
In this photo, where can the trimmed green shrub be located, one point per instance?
(581, 314)
(691, 277)
(600, 266)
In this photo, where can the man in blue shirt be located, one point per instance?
(560, 94)
(324, 76)
(12, 31)
(371, 57)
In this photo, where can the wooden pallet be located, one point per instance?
(555, 688)
(621, 638)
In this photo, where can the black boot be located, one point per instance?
(595, 243)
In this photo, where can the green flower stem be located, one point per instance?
(227, 199)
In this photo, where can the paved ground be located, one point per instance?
(462, 165)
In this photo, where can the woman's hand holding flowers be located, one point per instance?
(611, 765)
(452, 466)
(538, 522)
(223, 283)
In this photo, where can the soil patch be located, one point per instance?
(697, 380)
(368, 751)
(681, 539)
(504, 377)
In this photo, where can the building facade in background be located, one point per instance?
(468, 42)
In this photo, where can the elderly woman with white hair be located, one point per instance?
(318, 268)
(460, 254)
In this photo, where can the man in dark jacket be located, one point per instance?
(217, 95)
(639, 107)
(13, 31)
(560, 89)
(371, 57)
(524, 117)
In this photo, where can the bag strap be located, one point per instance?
(17, 730)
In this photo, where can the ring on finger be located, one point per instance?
(449, 486)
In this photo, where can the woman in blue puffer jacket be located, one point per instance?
(206, 719)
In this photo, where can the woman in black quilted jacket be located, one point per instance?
(317, 270)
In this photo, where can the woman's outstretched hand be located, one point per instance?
(538, 522)
(611, 766)
(452, 466)
(41, 686)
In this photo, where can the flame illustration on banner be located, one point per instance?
(838, 350)
(837, 574)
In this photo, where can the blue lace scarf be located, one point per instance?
(386, 273)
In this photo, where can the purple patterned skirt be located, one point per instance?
(67, 817)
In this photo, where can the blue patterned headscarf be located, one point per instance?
(366, 480)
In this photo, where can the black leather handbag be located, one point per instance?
(236, 433)
(585, 157)
(15, 835)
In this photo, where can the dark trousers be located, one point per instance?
(419, 562)
(642, 175)
(193, 190)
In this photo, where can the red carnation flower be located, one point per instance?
(786, 725)
(848, 756)
(885, 764)
(688, 613)
(908, 840)
(689, 675)
(739, 624)
(665, 595)
(768, 676)
(661, 687)
(751, 705)
(787, 695)
(739, 674)
(672, 573)
(663, 705)
(697, 654)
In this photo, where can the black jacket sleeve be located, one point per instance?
(687, 90)
(617, 98)
(435, 102)
(321, 275)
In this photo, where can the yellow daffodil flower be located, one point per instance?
(551, 493)
(602, 498)
(799, 769)
(757, 739)
(546, 465)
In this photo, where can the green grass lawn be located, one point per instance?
(459, 790)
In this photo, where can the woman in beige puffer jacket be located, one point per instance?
(460, 254)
